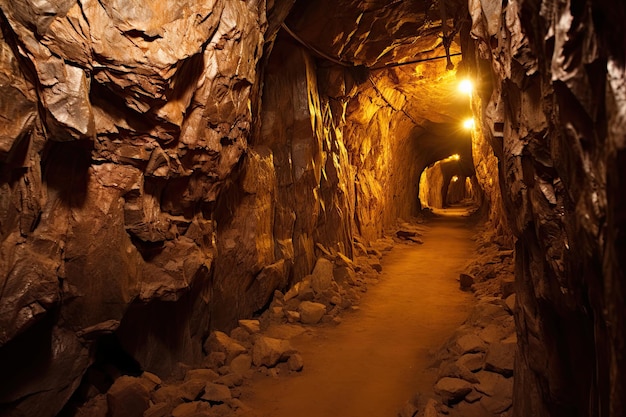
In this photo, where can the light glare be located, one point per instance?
(468, 124)
(466, 87)
(455, 178)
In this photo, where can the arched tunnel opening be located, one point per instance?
(249, 208)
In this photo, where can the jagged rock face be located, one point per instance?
(558, 98)
(126, 119)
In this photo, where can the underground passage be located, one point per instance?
(322, 208)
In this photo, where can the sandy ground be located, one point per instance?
(378, 357)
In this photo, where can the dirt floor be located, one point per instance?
(379, 356)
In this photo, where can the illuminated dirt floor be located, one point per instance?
(379, 356)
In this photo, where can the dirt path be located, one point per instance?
(376, 359)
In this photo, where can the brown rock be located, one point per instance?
(452, 390)
(201, 374)
(251, 326)
(500, 358)
(322, 275)
(470, 343)
(127, 397)
(472, 361)
(466, 281)
(192, 409)
(268, 351)
(216, 393)
(310, 312)
(295, 362)
(241, 364)
(221, 342)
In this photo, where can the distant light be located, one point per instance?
(456, 157)
(468, 124)
(466, 87)
(455, 178)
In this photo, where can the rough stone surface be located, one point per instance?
(500, 358)
(268, 351)
(452, 390)
(311, 313)
(127, 397)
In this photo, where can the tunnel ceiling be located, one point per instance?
(391, 46)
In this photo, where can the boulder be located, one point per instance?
(500, 358)
(452, 390)
(470, 343)
(310, 312)
(216, 393)
(295, 363)
(221, 342)
(127, 397)
(192, 409)
(268, 351)
(251, 326)
(474, 362)
(322, 275)
(241, 364)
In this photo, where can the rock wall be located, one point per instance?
(122, 124)
(553, 86)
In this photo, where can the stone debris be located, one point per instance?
(254, 345)
(268, 351)
(452, 390)
(310, 312)
(466, 281)
(500, 358)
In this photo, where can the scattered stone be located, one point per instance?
(251, 326)
(170, 394)
(474, 362)
(374, 252)
(500, 358)
(496, 405)
(127, 397)
(231, 380)
(284, 331)
(159, 410)
(473, 396)
(452, 390)
(342, 260)
(215, 360)
(201, 374)
(268, 351)
(221, 342)
(493, 384)
(295, 362)
(310, 312)
(150, 380)
(216, 393)
(194, 408)
(277, 313)
(192, 389)
(344, 276)
(322, 275)
(242, 336)
(454, 370)
(470, 343)
(466, 281)
(408, 410)
(376, 266)
(431, 408)
(241, 364)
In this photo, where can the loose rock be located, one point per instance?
(310, 312)
(127, 397)
(268, 351)
(452, 390)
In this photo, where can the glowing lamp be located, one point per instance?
(468, 124)
(466, 87)
(455, 178)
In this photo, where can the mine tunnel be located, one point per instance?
(200, 201)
